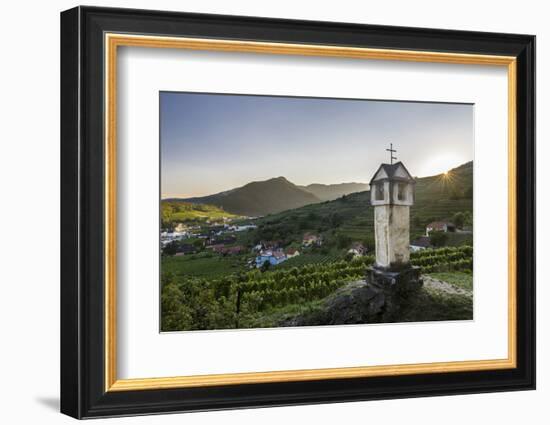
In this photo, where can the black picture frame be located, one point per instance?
(83, 392)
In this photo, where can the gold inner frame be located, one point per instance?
(113, 41)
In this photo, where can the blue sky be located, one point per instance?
(211, 142)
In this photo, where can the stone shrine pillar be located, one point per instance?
(392, 194)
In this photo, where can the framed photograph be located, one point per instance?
(261, 212)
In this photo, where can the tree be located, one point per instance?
(468, 221)
(458, 220)
(265, 266)
(343, 241)
(369, 243)
(438, 238)
(175, 315)
(170, 248)
(312, 216)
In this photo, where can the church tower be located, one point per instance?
(392, 195)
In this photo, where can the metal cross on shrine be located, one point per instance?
(391, 150)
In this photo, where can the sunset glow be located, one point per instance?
(211, 143)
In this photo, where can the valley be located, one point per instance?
(220, 249)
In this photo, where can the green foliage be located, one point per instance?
(175, 313)
(199, 243)
(194, 304)
(319, 258)
(204, 265)
(458, 219)
(438, 238)
(444, 259)
(468, 219)
(343, 241)
(266, 265)
(171, 248)
(349, 256)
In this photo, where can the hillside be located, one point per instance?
(440, 196)
(351, 217)
(179, 211)
(330, 192)
(260, 198)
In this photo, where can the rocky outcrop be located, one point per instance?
(355, 303)
(358, 303)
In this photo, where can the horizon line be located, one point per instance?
(167, 197)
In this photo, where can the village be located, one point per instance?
(225, 238)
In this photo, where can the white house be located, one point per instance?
(440, 226)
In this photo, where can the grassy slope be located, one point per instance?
(439, 197)
(180, 211)
(428, 305)
(461, 280)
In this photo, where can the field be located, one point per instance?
(204, 265)
(184, 212)
(458, 279)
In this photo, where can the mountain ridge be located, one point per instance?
(258, 198)
(278, 194)
(330, 192)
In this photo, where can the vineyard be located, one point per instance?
(310, 258)
(199, 303)
(315, 281)
(444, 259)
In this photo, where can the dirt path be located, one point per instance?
(442, 286)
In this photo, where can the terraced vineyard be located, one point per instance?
(444, 259)
(361, 227)
(315, 281)
(303, 260)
